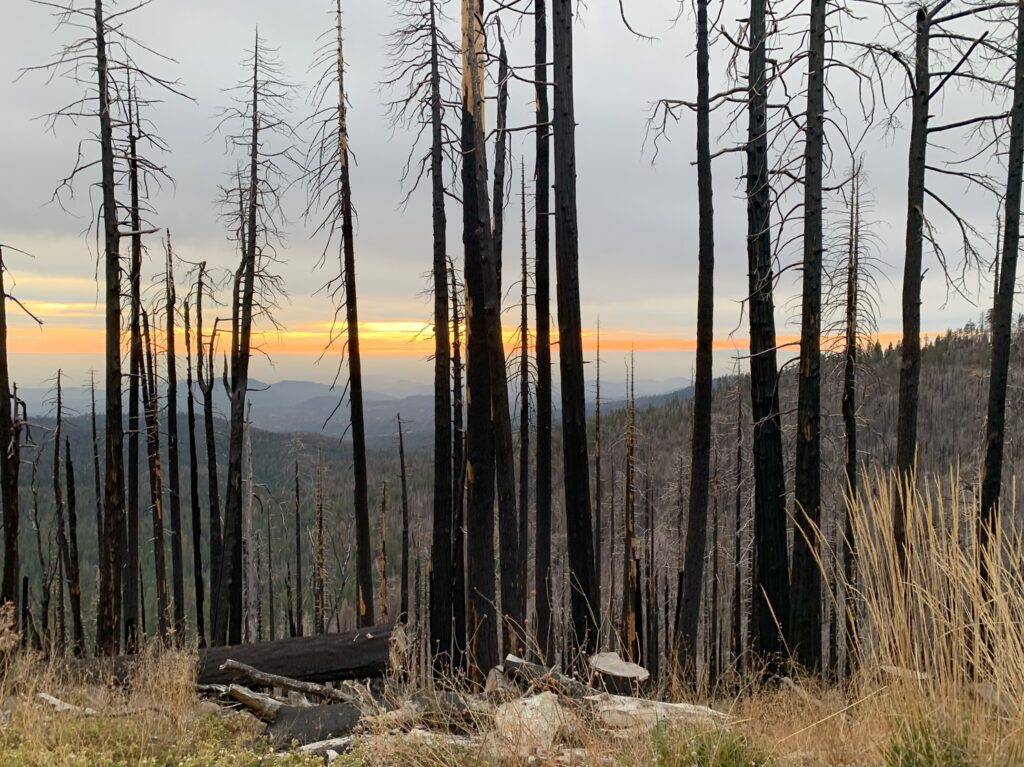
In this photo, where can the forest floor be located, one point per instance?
(160, 721)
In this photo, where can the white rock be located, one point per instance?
(531, 723)
(620, 712)
(611, 664)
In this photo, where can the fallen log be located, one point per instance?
(321, 658)
(311, 724)
(263, 679)
(263, 707)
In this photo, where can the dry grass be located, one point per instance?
(953, 694)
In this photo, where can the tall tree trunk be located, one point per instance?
(482, 629)
(45, 565)
(227, 605)
(700, 443)
(364, 569)
(586, 612)
(804, 630)
(542, 311)
(130, 575)
(320, 560)
(73, 566)
(849, 410)
(500, 154)
(598, 488)
(271, 616)
(384, 552)
(771, 571)
(151, 405)
(193, 482)
(458, 588)
(250, 544)
(910, 349)
(630, 632)
(204, 378)
(442, 599)
(524, 403)
(298, 555)
(113, 494)
(63, 549)
(173, 475)
(8, 462)
(1002, 311)
(403, 602)
(737, 550)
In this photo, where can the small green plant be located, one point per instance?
(705, 748)
(921, 743)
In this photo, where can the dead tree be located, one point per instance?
(631, 643)
(598, 488)
(771, 560)
(330, 189)
(173, 474)
(73, 564)
(586, 611)
(298, 556)
(804, 620)
(151, 408)
(500, 152)
(250, 540)
(524, 396)
(193, 476)
(403, 604)
(424, 71)
(320, 559)
(1002, 311)
(458, 588)
(542, 312)
(260, 110)
(383, 525)
(204, 379)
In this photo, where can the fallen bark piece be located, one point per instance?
(337, 746)
(621, 712)
(310, 724)
(68, 708)
(542, 678)
(532, 724)
(618, 675)
(262, 706)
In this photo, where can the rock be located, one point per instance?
(618, 675)
(620, 712)
(311, 724)
(498, 685)
(531, 724)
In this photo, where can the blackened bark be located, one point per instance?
(849, 410)
(482, 630)
(542, 311)
(298, 556)
(8, 462)
(193, 476)
(598, 488)
(500, 155)
(151, 406)
(458, 589)
(586, 611)
(72, 567)
(630, 627)
(364, 570)
(910, 349)
(1002, 312)
(130, 575)
(173, 476)
(113, 493)
(403, 602)
(524, 401)
(442, 600)
(804, 630)
(204, 379)
(771, 572)
(700, 445)
(271, 617)
(63, 546)
(97, 483)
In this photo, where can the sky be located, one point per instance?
(637, 208)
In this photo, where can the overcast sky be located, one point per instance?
(637, 217)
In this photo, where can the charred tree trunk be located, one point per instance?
(804, 629)
(113, 495)
(384, 550)
(771, 572)
(364, 568)
(482, 629)
(271, 615)
(849, 410)
(700, 444)
(73, 565)
(193, 477)
(630, 632)
(586, 612)
(8, 462)
(598, 488)
(542, 311)
(524, 405)
(442, 598)
(403, 601)
(298, 556)
(500, 155)
(458, 588)
(1002, 311)
(173, 475)
(63, 553)
(320, 560)
(204, 379)
(151, 406)
(910, 349)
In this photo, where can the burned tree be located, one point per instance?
(586, 610)
(260, 110)
(151, 409)
(193, 476)
(173, 475)
(330, 189)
